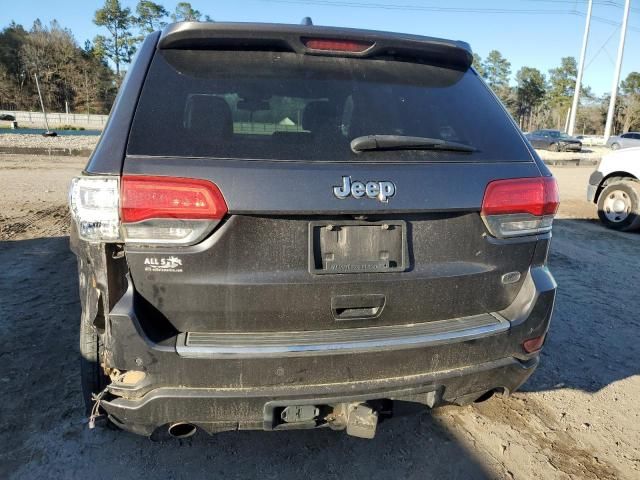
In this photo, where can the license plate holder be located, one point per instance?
(349, 247)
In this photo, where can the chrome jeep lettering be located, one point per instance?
(382, 190)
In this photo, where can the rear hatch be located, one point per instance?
(319, 235)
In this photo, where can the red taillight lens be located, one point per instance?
(533, 344)
(328, 44)
(144, 198)
(520, 206)
(536, 196)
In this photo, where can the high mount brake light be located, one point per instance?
(520, 206)
(332, 45)
(145, 210)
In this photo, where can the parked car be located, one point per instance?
(554, 140)
(385, 244)
(591, 140)
(615, 188)
(626, 140)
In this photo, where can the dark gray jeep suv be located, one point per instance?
(289, 227)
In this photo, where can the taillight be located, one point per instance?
(94, 203)
(145, 210)
(520, 206)
(333, 45)
(145, 198)
(169, 209)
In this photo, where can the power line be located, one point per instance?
(602, 47)
(613, 62)
(606, 3)
(386, 6)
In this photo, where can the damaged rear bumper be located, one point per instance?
(228, 390)
(218, 409)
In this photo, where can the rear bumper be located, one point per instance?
(216, 410)
(228, 392)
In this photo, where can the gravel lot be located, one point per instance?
(66, 142)
(577, 417)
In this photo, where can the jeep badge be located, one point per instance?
(380, 190)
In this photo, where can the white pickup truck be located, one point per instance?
(615, 187)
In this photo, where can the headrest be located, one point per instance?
(209, 115)
(319, 116)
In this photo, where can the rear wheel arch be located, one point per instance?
(613, 178)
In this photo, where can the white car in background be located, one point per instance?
(615, 187)
(626, 140)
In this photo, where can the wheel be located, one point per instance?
(619, 206)
(92, 377)
(615, 146)
(554, 147)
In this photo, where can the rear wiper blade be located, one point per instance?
(402, 142)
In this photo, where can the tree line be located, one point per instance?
(80, 78)
(543, 101)
(86, 78)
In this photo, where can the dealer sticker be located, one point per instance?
(163, 264)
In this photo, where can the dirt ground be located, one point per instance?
(577, 417)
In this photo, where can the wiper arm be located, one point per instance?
(402, 142)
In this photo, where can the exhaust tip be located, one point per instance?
(489, 394)
(182, 430)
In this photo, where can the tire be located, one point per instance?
(554, 147)
(619, 206)
(615, 146)
(92, 377)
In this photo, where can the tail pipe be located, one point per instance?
(182, 430)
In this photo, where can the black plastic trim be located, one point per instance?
(284, 37)
(596, 178)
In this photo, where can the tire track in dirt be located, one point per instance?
(47, 222)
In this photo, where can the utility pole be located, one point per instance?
(86, 87)
(48, 133)
(616, 76)
(583, 54)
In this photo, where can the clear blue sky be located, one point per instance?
(535, 33)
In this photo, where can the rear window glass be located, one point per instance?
(287, 106)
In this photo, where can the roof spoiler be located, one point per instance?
(295, 38)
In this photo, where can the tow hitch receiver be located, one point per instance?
(299, 413)
(362, 422)
(359, 419)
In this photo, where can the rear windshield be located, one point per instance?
(287, 106)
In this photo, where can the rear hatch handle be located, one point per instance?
(357, 307)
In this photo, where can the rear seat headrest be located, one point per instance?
(209, 115)
(319, 116)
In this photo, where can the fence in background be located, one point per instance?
(56, 120)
